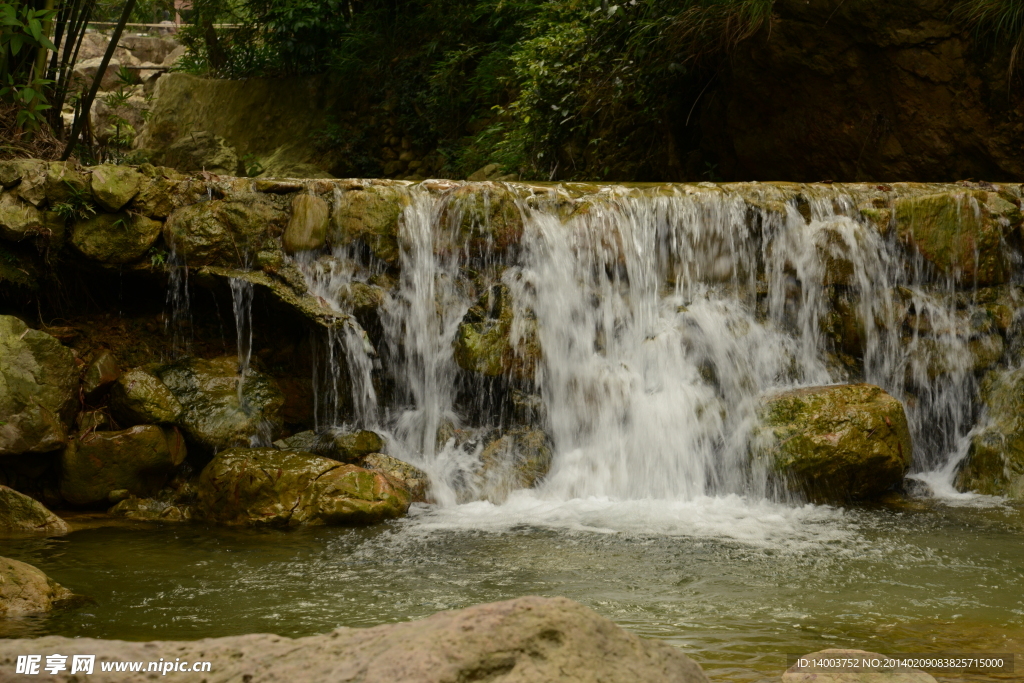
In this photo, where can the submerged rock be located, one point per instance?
(307, 228)
(995, 459)
(21, 514)
(139, 397)
(518, 459)
(27, 590)
(526, 640)
(139, 461)
(412, 479)
(265, 486)
(152, 510)
(835, 443)
(212, 416)
(38, 389)
(811, 674)
(115, 237)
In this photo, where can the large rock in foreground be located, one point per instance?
(26, 590)
(836, 443)
(995, 461)
(527, 640)
(38, 387)
(266, 486)
(21, 514)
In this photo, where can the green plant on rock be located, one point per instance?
(78, 206)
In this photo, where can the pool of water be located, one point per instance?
(736, 584)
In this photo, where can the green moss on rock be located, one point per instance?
(115, 238)
(224, 232)
(139, 397)
(995, 459)
(371, 216)
(485, 344)
(114, 186)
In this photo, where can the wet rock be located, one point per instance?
(114, 186)
(18, 219)
(38, 389)
(288, 488)
(26, 590)
(370, 215)
(21, 514)
(995, 460)
(412, 479)
(223, 232)
(486, 218)
(212, 416)
(115, 237)
(139, 397)
(202, 151)
(101, 373)
(959, 233)
(152, 510)
(518, 459)
(348, 446)
(811, 674)
(526, 640)
(307, 228)
(139, 460)
(303, 441)
(492, 342)
(92, 421)
(161, 192)
(835, 443)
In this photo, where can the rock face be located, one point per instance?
(139, 397)
(412, 479)
(798, 674)
(212, 416)
(836, 443)
(492, 342)
(222, 231)
(115, 237)
(21, 514)
(995, 461)
(307, 228)
(26, 590)
(266, 486)
(139, 460)
(527, 640)
(38, 386)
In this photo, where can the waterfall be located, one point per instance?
(241, 300)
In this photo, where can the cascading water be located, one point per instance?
(241, 299)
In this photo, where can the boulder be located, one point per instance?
(100, 374)
(835, 443)
(371, 216)
(114, 186)
(117, 119)
(865, 674)
(960, 233)
(26, 590)
(202, 151)
(412, 479)
(115, 238)
(95, 45)
(493, 343)
(223, 232)
(160, 193)
(307, 228)
(21, 514)
(138, 460)
(995, 459)
(64, 182)
(139, 397)
(148, 48)
(348, 446)
(265, 486)
(212, 417)
(86, 69)
(484, 219)
(38, 389)
(518, 459)
(32, 188)
(18, 219)
(12, 171)
(526, 640)
(152, 510)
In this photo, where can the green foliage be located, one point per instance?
(78, 206)
(23, 33)
(1001, 20)
(158, 257)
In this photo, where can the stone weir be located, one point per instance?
(285, 352)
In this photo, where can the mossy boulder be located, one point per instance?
(224, 232)
(266, 486)
(27, 590)
(348, 446)
(12, 171)
(835, 443)
(65, 182)
(412, 479)
(307, 228)
(21, 514)
(212, 416)
(139, 460)
(18, 219)
(960, 233)
(139, 397)
(38, 389)
(995, 460)
(101, 372)
(114, 186)
(152, 510)
(115, 237)
(492, 342)
(484, 218)
(201, 151)
(371, 216)
(517, 459)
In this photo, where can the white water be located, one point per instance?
(658, 341)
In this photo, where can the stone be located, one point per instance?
(995, 458)
(212, 417)
(64, 181)
(348, 446)
(27, 590)
(485, 219)
(85, 73)
(307, 228)
(202, 151)
(835, 443)
(518, 459)
(303, 441)
(493, 343)
(266, 486)
(100, 374)
(115, 238)
(117, 120)
(38, 389)
(21, 514)
(92, 421)
(488, 172)
(961, 234)
(223, 232)
(412, 479)
(811, 674)
(139, 397)
(18, 219)
(114, 186)
(371, 216)
(152, 510)
(160, 193)
(526, 640)
(139, 460)
(32, 187)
